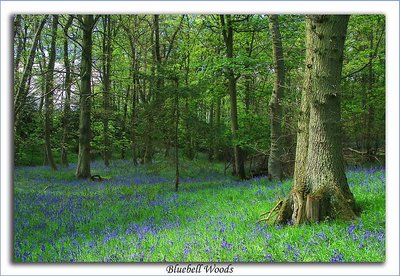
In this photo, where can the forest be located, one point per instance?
(201, 138)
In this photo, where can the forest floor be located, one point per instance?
(136, 216)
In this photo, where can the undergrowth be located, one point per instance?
(135, 216)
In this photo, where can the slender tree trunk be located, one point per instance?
(176, 137)
(83, 168)
(227, 33)
(370, 105)
(217, 129)
(21, 44)
(148, 155)
(48, 98)
(67, 103)
(123, 126)
(321, 190)
(17, 24)
(275, 108)
(157, 53)
(211, 135)
(135, 92)
(133, 125)
(189, 149)
(42, 65)
(135, 87)
(300, 171)
(247, 94)
(107, 52)
(22, 88)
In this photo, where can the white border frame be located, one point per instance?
(389, 8)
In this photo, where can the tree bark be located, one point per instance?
(48, 97)
(217, 131)
(67, 102)
(21, 44)
(227, 33)
(370, 107)
(247, 76)
(321, 190)
(189, 147)
(148, 154)
(134, 69)
(123, 124)
(106, 88)
(300, 175)
(176, 136)
(83, 168)
(211, 135)
(275, 108)
(135, 92)
(22, 88)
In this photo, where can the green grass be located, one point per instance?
(136, 216)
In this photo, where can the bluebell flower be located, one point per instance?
(268, 257)
(337, 257)
(351, 228)
(187, 249)
(226, 245)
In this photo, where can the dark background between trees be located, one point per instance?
(145, 87)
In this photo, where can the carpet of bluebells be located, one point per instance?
(135, 216)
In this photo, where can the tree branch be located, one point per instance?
(370, 60)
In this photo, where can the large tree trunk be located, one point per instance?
(299, 179)
(321, 190)
(83, 168)
(227, 33)
(48, 97)
(275, 108)
(67, 101)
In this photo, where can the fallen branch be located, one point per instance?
(46, 188)
(356, 151)
(374, 155)
(265, 213)
(273, 210)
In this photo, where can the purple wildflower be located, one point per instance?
(337, 257)
(226, 245)
(268, 257)
(187, 249)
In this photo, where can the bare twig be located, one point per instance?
(273, 210)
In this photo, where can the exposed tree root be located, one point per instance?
(299, 207)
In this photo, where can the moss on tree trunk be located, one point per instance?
(85, 102)
(320, 189)
(275, 108)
